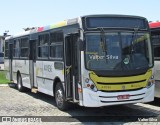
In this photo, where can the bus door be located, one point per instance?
(32, 63)
(10, 61)
(72, 67)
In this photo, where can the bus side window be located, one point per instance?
(43, 50)
(156, 46)
(24, 47)
(56, 45)
(16, 48)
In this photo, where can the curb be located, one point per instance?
(8, 85)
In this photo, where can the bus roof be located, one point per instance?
(45, 28)
(56, 25)
(154, 24)
(64, 23)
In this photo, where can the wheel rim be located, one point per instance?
(59, 98)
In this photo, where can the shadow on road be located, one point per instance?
(156, 102)
(120, 113)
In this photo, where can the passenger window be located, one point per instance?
(24, 47)
(56, 45)
(43, 46)
(16, 48)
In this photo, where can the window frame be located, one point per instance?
(55, 44)
(40, 46)
(26, 57)
(156, 45)
(18, 48)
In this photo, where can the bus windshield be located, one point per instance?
(118, 51)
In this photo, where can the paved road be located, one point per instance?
(27, 104)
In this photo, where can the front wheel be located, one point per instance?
(62, 104)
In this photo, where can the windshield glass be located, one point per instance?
(118, 51)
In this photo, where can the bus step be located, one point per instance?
(34, 90)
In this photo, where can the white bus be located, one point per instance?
(94, 61)
(155, 34)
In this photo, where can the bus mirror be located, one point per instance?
(81, 44)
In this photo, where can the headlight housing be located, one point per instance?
(151, 81)
(89, 84)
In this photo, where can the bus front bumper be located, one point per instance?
(99, 99)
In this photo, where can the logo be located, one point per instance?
(21, 119)
(6, 119)
(126, 60)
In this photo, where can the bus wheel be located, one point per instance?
(19, 84)
(59, 97)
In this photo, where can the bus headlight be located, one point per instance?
(89, 84)
(151, 81)
(87, 80)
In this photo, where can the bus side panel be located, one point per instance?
(39, 74)
(157, 70)
(157, 78)
(46, 73)
(44, 85)
(23, 67)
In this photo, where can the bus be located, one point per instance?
(92, 60)
(155, 35)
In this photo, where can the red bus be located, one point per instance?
(155, 34)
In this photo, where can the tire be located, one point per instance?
(61, 103)
(19, 84)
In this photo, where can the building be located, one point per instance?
(1, 43)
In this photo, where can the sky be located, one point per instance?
(19, 14)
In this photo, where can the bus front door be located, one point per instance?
(72, 67)
(32, 64)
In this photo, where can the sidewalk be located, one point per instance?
(8, 85)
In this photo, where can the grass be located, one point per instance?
(3, 79)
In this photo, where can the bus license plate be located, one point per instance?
(121, 97)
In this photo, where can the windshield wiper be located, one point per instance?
(103, 40)
(133, 39)
(103, 43)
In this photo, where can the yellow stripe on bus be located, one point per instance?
(60, 24)
(143, 80)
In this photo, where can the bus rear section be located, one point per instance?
(155, 34)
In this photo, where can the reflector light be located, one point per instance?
(92, 86)
(79, 90)
(88, 85)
